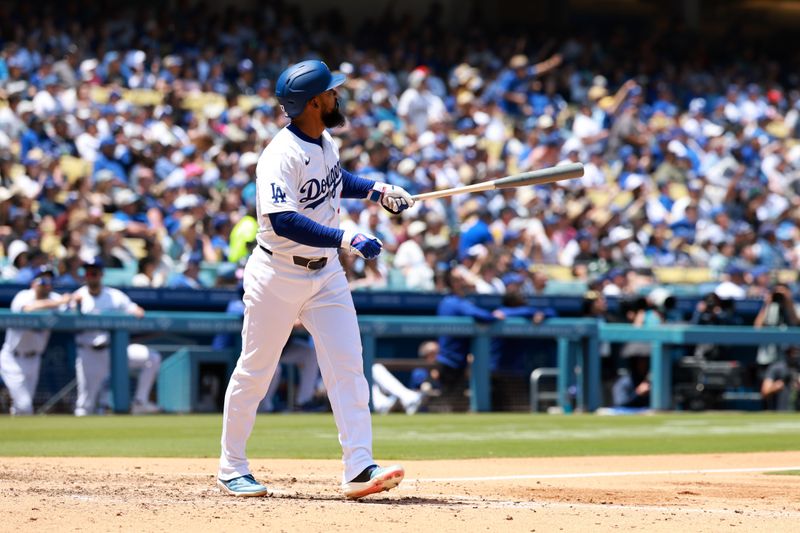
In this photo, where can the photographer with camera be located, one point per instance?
(778, 309)
(631, 388)
(714, 310)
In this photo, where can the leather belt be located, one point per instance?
(24, 354)
(311, 263)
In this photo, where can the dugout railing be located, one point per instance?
(577, 343)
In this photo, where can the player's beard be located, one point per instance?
(333, 118)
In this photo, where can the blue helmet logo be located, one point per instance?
(303, 81)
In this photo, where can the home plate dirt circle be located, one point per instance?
(714, 492)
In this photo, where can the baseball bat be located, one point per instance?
(534, 177)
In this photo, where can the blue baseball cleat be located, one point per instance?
(242, 486)
(373, 479)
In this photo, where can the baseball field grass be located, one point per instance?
(424, 436)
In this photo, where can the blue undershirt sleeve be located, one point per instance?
(354, 186)
(301, 229)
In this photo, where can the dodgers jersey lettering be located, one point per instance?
(295, 174)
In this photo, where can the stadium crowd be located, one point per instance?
(134, 137)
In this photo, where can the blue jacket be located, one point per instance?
(453, 350)
(104, 163)
(505, 352)
(478, 233)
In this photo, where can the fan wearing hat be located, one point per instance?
(93, 360)
(107, 159)
(410, 258)
(513, 83)
(418, 106)
(506, 355)
(21, 354)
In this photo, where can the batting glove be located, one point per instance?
(362, 244)
(393, 198)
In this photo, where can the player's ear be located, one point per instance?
(315, 102)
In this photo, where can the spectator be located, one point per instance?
(190, 277)
(69, 271)
(659, 150)
(512, 84)
(507, 353)
(410, 259)
(106, 160)
(17, 253)
(145, 277)
(418, 106)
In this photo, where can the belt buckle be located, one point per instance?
(312, 263)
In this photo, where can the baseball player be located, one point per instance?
(93, 361)
(298, 351)
(21, 354)
(294, 273)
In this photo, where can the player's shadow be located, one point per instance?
(408, 500)
(411, 500)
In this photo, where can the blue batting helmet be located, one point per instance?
(303, 81)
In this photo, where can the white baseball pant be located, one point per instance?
(93, 367)
(21, 375)
(147, 361)
(390, 387)
(276, 293)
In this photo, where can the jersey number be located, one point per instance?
(278, 196)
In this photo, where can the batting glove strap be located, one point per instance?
(391, 197)
(361, 244)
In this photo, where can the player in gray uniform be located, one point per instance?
(294, 273)
(21, 354)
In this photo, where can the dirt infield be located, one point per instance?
(729, 492)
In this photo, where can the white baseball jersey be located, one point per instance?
(27, 341)
(296, 174)
(109, 300)
(20, 356)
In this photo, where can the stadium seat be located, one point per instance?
(143, 97)
(119, 277)
(74, 168)
(555, 272)
(683, 275)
